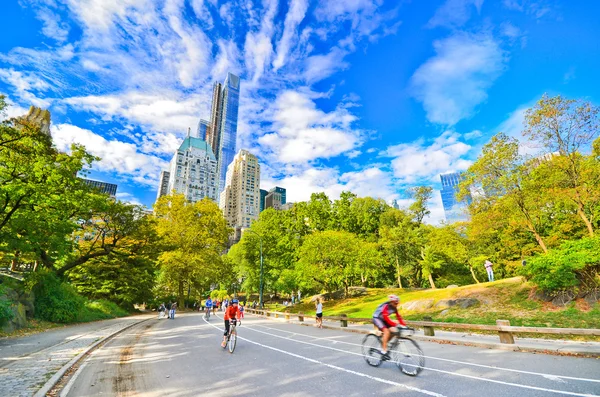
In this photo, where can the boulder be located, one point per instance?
(592, 297)
(418, 305)
(563, 298)
(452, 286)
(445, 303)
(357, 291)
(444, 312)
(467, 302)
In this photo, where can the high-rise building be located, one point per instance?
(395, 204)
(202, 130)
(240, 197)
(454, 210)
(103, 187)
(193, 171)
(228, 130)
(263, 194)
(281, 191)
(163, 184)
(213, 133)
(273, 200)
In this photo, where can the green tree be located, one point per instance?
(421, 196)
(568, 126)
(194, 236)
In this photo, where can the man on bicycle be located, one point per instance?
(382, 320)
(208, 304)
(231, 314)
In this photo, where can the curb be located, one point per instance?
(60, 373)
(556, 351)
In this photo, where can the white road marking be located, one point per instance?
(557, 378)
(442, 371)
(65, 391)
(381, 380)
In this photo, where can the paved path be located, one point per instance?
(26, 363)
(183, 358)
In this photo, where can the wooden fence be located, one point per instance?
(503, 327)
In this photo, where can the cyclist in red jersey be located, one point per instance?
(382, 320)
(232, 313)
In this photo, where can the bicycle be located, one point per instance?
(207, 313)
(231, 336)
(402, 350)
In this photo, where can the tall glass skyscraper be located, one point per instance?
(202, 131)
(454, 210)
(230, 100)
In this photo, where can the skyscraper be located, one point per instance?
(263, 194)
(212, 133)
(193, 171)
(163, 184)
(103, 187)
(240, 197)
(273, 200)
(228, 130)
(454, 210)
(203, 127)
(282, 192)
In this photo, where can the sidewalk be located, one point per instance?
(26, 363)
(547, 346)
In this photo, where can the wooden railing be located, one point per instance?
(503, 327)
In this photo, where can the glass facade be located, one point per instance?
(228, 131)
(454, 210)
(201, 132)
(281, 191)
(103, 187)
(263, 195)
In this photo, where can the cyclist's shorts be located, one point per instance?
(379, 323)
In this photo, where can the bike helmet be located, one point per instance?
(234, 301)
(394, 298)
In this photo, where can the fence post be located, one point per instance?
(505, 336)
(344, 320)
(276, 315)
(268, 314)
(300, 316)
(428, 330)
(287, 316)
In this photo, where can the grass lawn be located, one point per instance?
(500, 300)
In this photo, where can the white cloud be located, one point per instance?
(128, 198)
(26, 85)
(436, 209)
(319, 67)
(258, 48)
(302, 132)
(228, 60)
(202, 12)
(513, 126)
(118, 157)
(454, 13)
(295, 15)
(453, 82)
(473, 134)
(422, 162)
(53, 26)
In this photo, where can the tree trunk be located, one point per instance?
(346, 288)
(181, 296)
(431, 281)
(473, 274)
(398, 272)
(585, 219)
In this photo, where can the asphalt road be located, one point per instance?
(182, 357)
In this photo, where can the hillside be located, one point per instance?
(507, 299)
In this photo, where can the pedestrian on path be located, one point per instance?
(319, 313)
(172, 311)
(161, 311)
(490, 272)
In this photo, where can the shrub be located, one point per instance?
(575, 264)
(6, 313)
(55, 300)
(100, 310)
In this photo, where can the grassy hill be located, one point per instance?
(507, 299)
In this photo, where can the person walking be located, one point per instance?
(172, 312)
(490, 272)
(168, 307)
(161, 311)
(319, 313)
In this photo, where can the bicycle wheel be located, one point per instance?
(408, 356)
(232, 340)
(370, 350)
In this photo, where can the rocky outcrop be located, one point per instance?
(416, 306)
(22, 307)
(463, 303)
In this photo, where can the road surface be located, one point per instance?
(182, 357)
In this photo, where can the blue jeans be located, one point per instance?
(490, 273)
(172, 313)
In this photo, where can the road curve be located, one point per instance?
(182, 357)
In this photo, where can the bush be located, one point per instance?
(575, 264)
(55, 300)
(100, 310)
(6, 313)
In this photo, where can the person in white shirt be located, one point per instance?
(319, 313)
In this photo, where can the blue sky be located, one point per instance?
(371, 96)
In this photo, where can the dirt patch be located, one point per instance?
(583, 305)
(549, 307)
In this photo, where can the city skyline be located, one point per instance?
(374, 97)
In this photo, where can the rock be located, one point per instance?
(445, 303)
(592, 297)
(357, 291)
(452, 286)
(444, 312)
(541, 295)
(563, 298)
(467, 302)
(418, 305)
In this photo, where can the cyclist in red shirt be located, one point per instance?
(382, 320)
(231, 314)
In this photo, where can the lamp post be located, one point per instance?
(260, 289)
